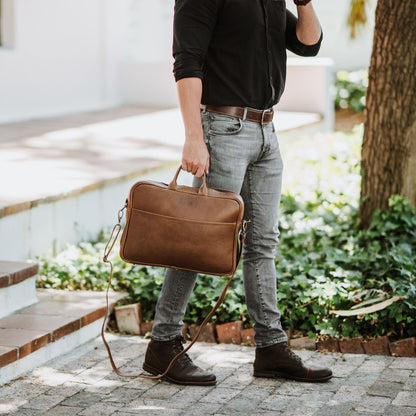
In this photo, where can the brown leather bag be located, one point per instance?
(182, 227)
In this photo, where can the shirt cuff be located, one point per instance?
(301, 49)
(187, 65)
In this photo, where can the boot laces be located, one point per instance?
(293, 356)
(177, 348)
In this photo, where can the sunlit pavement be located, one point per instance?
(48, 157)
(83, 383)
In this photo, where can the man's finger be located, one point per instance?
(194, 169)
(185, 167)
(200, 172)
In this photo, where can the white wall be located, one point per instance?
(60, 56)
(346, 53)
(68, 56)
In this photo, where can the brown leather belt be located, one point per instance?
(258, 116)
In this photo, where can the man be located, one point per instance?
(230, 68)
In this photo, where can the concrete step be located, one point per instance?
(59, 322)
(17, 286)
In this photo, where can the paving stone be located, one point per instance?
(292, 388)
(332, 385)
(193, 394)
(90, 376)
(385, 389)
(202, 409)
(66, 389)
(135, 383)
(410, 384)
(405, 398)
(101, 409)
(268, 382)
(219, 395)
(142, 406)
(21, 390)
(393, 374)
(375, 365)
(240, 405)
(51, 378)
(364, 380)
(399, 411)
(11, 405)
(342, 370)
(341, 409)
(105, 386)
(247, 401)
(25, 412)
(347, 394)
(64, 411)
(299, 411)
(122, 395)
(82, 399)
(404, 363)
(315, 399)
(238, 380)
(44, 402)
(164, 390)
(373, 404)
(276, 401)
(149, 412)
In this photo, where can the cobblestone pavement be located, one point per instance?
(82, 383)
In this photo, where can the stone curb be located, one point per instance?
(234, 333)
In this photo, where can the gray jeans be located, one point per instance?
(244, 158)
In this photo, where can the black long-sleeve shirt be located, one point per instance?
(237, 48)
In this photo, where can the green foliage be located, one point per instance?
(324, 262)
(351, 89)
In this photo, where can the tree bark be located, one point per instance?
(389, 145)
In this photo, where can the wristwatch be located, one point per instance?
(301, 2)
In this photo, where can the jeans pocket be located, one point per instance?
(223, 125)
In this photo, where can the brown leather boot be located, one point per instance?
(279, 361)
(160, 353)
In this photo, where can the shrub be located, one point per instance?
(351, 89)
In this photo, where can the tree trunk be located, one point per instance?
(389, 145)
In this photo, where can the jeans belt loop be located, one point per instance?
(262, 116)
(244, 114)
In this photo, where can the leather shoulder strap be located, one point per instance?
(110, 244)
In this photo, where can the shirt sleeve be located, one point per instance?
(194, 22)
(292, 41)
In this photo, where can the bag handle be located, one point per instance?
(203, 190)
(108, 248)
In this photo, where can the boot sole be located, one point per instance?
(274, 374)
(156, 372)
